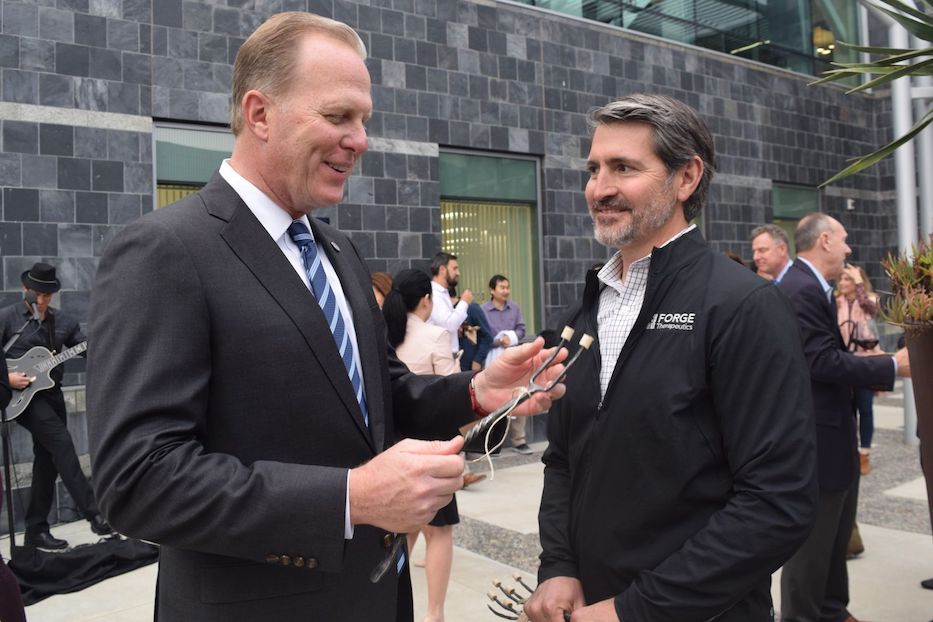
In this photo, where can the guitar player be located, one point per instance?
(46, 417)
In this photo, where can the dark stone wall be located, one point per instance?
(476, 74)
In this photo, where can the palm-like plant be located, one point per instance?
(911, 307)
(894, 63)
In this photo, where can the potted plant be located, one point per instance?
(911, 308)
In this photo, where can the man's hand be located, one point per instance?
(603, 611)
(498, 383)
(554, 597)
(903, 363)
(402, 488)
(504, 341)
(19, 381)
(466, 296)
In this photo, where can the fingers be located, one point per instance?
(403, 487)
(519, 354)
(441, 448)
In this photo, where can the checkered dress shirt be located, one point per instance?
(619, 305)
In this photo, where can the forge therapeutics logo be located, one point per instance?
(671, 321)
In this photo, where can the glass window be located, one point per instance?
(790, 204)
(186, 157)
(488, 219)
(798, 35)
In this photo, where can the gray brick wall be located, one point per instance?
(446, 73)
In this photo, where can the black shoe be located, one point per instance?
(927, 583)
(45, 540)
(100, 526)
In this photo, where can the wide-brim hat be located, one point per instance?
(41, 278)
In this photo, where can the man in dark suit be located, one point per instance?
(243, 423)
(814, 582)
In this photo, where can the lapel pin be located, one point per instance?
(336, 248)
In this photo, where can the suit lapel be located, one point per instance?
(251, 243)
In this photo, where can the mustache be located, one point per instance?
(610, 203)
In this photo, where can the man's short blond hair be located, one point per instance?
(266, 61)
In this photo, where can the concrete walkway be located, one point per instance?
(885, 580)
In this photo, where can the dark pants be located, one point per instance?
(11, 602)
(46, 420)
(866, 416)
(815, 581)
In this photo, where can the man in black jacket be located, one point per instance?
(46, 417)
(814, 582)
(681, 467)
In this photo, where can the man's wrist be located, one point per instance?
(474, 403)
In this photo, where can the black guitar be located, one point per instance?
(37, 363)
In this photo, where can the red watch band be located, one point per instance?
(479, 410)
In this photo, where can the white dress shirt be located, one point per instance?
(446, 315)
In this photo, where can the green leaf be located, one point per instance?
(873, 50)
(918, 69)
(920, 15)
(896, 58)
(920, 30)
(874, 157)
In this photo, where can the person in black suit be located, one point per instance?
(814, 582)
(245, 423)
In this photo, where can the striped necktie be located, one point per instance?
(328, 302)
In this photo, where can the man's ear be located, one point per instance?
(690, 175)
(256, 109)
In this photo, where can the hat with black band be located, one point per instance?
(41, 278)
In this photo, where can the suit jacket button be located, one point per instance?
(299, 561)
(387, 540)
(272, 558)
(286, 560)
(311, 563)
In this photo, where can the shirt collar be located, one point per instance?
(787, 266)
(270, 215)
(827, 288)
(610, 273)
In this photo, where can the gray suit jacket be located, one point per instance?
(222, 421)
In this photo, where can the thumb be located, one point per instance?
(439, 448)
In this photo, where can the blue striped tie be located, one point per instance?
(328, 302)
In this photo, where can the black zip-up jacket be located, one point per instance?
(694, 478)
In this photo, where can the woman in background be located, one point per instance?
(425, 349)
(382, 283)
(856, 303)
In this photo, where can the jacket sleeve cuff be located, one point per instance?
(556, 568)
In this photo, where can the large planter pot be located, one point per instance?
(920, 348)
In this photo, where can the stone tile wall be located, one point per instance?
(482, 75)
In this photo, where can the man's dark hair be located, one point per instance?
(679, 134)
(495, 280)
(441, 259)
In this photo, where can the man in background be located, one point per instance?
(508, 329)
(815, 581)
(770, 252)
(445, 274)
(46, 417)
